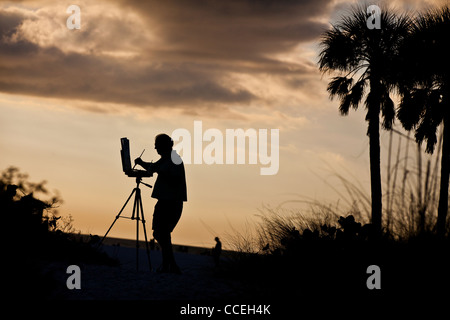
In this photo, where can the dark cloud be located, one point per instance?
(101, 79)
(238, 30)
(9, 21)
(199, 46)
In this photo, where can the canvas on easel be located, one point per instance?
(125, 155)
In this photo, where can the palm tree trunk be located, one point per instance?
(373, 117)
(445, 166)
(375, 171)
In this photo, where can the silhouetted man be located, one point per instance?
(217, 250)
(170, 190)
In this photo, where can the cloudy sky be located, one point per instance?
(135, 69)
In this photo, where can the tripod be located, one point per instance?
(138, 212)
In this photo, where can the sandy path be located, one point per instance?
(198, 281)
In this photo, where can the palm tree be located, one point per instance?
(364, 59)
(425, 91)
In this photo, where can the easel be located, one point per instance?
(138, 212)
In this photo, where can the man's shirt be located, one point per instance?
(171, 181)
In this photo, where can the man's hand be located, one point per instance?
(148, 166)
(138, 161)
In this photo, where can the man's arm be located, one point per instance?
(149, 166)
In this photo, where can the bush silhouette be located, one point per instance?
(36, 236)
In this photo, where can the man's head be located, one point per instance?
(163, 144)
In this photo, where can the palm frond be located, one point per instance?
(372, 105)
(426, 131)
(435, 106)
(411, 108)
(345, 105)
(388, 111)
(357, 93)
(337, 52)
(354, 50)
(339, 86)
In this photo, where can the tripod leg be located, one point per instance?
(136, 211)
(145, 235)
(117, 217)
(134, 205)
